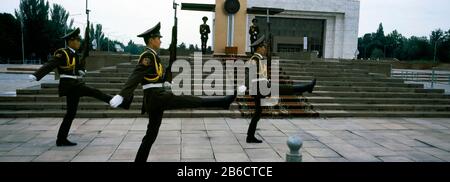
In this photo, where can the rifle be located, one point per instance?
(85, 45)
(173, 46)
(269, 41)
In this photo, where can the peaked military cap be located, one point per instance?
(72, 35)
(153, 32)
(205, 18)
(259, 41)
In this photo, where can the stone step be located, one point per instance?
(287, 70)
(409, 114)
(416, 101)
(380, 107)
(378, 94)
(282, 72)
(293, 73)
(31, 99)
(352, 107)
(53, 91)
(369, 84)
(280, 61)
(419, 93)
(61, 105)
(421, 76)
(121, 114)
(122, 78)
(292, 67)
(284, 69)
(113, 79)
(317, 88)
(282, 113)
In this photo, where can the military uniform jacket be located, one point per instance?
(204, 31)
(261, 69)
(148, 70)
(67, 62)
(254, 31)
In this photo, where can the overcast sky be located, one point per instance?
(124, 19)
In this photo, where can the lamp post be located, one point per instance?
(87, 11)
(435, 50)
(23, 44)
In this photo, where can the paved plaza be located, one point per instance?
(223, 140)
(10, 82)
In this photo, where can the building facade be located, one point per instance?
(331, 26)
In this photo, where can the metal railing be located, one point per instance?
(432, 77)
(28, 61)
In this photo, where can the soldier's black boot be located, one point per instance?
(126, 104)
(253, 139)
(221, 102)
(311, 86)
(300, 88)
(64, 142)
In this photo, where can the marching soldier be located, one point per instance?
(254, 32)
(71, 70)
(204, 31)
(260, 48)
(150, 74)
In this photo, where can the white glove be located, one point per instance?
(32, 78)
(242, 89)
(116, 101)
(82, 73)
(167, 85)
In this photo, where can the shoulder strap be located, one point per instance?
(158, 67)
(69, 64)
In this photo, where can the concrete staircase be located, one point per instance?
(344, 89)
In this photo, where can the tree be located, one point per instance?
(444, 48)
(394, 41)
(10, 37)
(132, 48)
(98, 36)
(417, 48)
(34, 14)
(191, 48)
(43, 28)
(379, 40)
(377, 54)
(436, 39)
(58, 25)
(395, 45)
(436, 35)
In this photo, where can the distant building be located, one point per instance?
(329, 27)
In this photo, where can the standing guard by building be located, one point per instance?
(204, 33)
(254, 32)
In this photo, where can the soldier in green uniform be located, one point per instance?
(149, 72)
(296, 89)
(254, 32)
(71, 70)
(204, 31)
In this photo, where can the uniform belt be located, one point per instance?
(259, 79)
(152, 85)
(70, 76)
